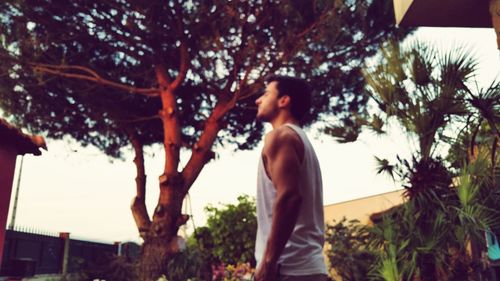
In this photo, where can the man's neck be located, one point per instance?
(282, 119)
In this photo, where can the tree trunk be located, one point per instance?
(161, 241)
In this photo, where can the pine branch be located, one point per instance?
(89, 75)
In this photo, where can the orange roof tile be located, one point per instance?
(23, 143)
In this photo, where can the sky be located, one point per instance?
(79, 190)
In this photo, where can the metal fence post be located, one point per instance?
(65, 256)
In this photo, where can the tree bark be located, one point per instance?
(161, 241)
(138, 207)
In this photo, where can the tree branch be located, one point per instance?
(162, 76)
(184, 54)
(284, 57)
(248, 69)
(138, 206)
(90, 75)
(114, 31)
(138, 119)
(322, 17)
(246, 94)
(170, 120)
(183, 68)
(202, 149)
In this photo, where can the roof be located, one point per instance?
(23, 143)
(443, 13)
(396, 192)
(449, 13)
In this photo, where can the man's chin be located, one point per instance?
(261, 118)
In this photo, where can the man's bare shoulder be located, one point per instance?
(281, 136)
(287, 135)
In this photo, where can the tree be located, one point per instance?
(428, 93)
(182, 73)
(233, 229)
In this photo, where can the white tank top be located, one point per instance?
(303, 253)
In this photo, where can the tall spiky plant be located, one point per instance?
(420, 88)
(428, 93)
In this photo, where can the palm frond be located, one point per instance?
(466, 189)
(389, 269)
(487, 102)
(342, 134)
(457, 67)
(383, 166)
(377, 124)
(422, 64)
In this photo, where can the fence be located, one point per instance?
(26, 254)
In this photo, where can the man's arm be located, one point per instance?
(284, 156)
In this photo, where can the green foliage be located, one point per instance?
(421, 89)
(202, 243)
(115, 268)
(56, 56)
(389, 269)
(232, 231)
(427, 235)
(198, 262)
(429, 94)
(391, 241)
(239, 272)
(228, 239)
(474, 140)
(348, 250)
(186, 265)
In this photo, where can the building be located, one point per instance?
(449, 13)
(13, 142)
(363, 208)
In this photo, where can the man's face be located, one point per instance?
(267, 104)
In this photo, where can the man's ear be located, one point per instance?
(284, 101)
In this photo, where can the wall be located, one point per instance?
(7, 167)
(362, 208)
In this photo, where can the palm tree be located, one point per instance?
(428, 93)
(421, 88)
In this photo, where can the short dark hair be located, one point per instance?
(298, 91)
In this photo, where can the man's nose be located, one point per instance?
(257, 101)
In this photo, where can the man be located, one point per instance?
(290, 233)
